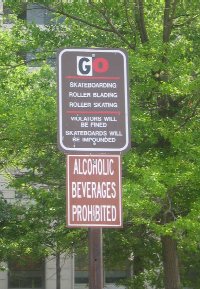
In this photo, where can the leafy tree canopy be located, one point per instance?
(161, 172)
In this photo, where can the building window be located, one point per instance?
(26, 274)
(111, 275)
(114, 275)
(81, 269)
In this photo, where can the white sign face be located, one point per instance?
(94, 191)
(93, 100)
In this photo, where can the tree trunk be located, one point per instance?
(58, 269)
(170, 263)
(169, 12)
(140, 20)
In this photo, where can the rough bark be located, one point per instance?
(58, 269)
(170, 263)
(169, 12)
(141, 21)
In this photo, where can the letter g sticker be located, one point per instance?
(84, 66)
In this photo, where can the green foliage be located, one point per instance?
(160, 173)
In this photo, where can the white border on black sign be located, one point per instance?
(127, 128)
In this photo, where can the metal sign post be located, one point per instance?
(95, 259)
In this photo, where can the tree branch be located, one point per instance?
(76, 18)
(129, 22)
(188, 21)
(189, 117)
(166, 24)
(127, 17)
(140, 21)
(113, 28)
(169, 13)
